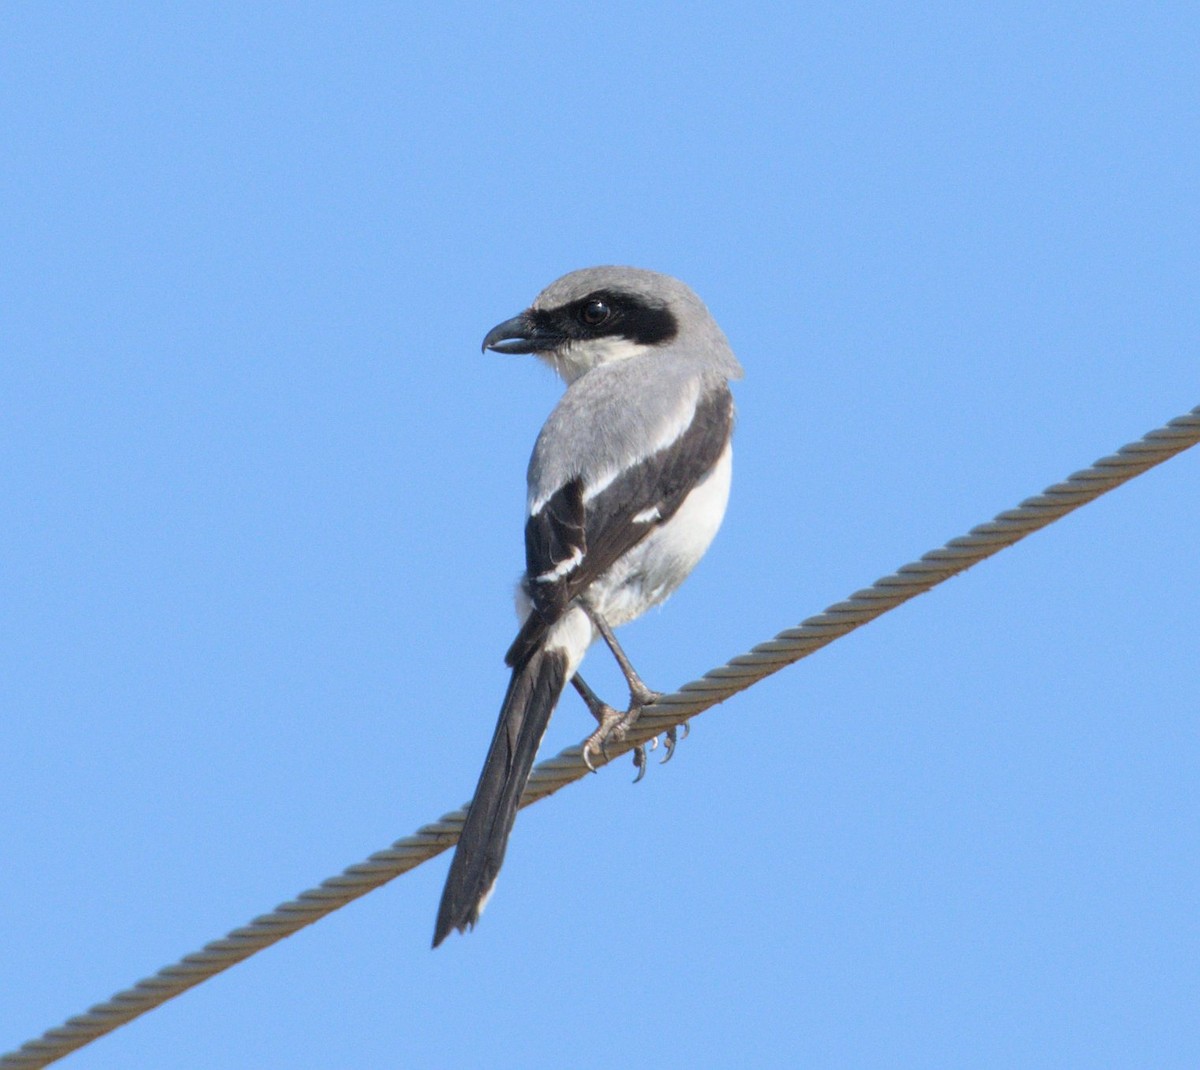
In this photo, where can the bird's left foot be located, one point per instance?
(614, 725)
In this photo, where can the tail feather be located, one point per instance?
(532, 695)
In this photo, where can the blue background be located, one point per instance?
(262, 509)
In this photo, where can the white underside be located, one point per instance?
(651, 571)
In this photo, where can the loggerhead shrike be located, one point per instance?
(628, 484)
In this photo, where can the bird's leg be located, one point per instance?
(597, 707)
(614, 725)
(639, 694)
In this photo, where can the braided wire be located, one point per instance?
(549, 776)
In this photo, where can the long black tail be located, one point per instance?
(532, 695)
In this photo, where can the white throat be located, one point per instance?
(575, 358)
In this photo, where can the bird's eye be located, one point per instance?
(594, 313)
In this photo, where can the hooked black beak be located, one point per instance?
(519, 335)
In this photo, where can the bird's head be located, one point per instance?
(604, 314)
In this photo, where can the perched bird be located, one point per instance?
(628, 484)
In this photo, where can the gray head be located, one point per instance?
(603, 314)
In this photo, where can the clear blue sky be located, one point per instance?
(262, 512)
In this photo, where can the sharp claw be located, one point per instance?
(587, 757)
(653, 743)
(639, 762)
(687, 729)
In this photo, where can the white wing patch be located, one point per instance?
(562, 568)
(648, 516)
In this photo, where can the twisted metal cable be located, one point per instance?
(549, 776)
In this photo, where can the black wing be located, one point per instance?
(568, 544)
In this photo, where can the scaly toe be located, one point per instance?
(613, 726)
